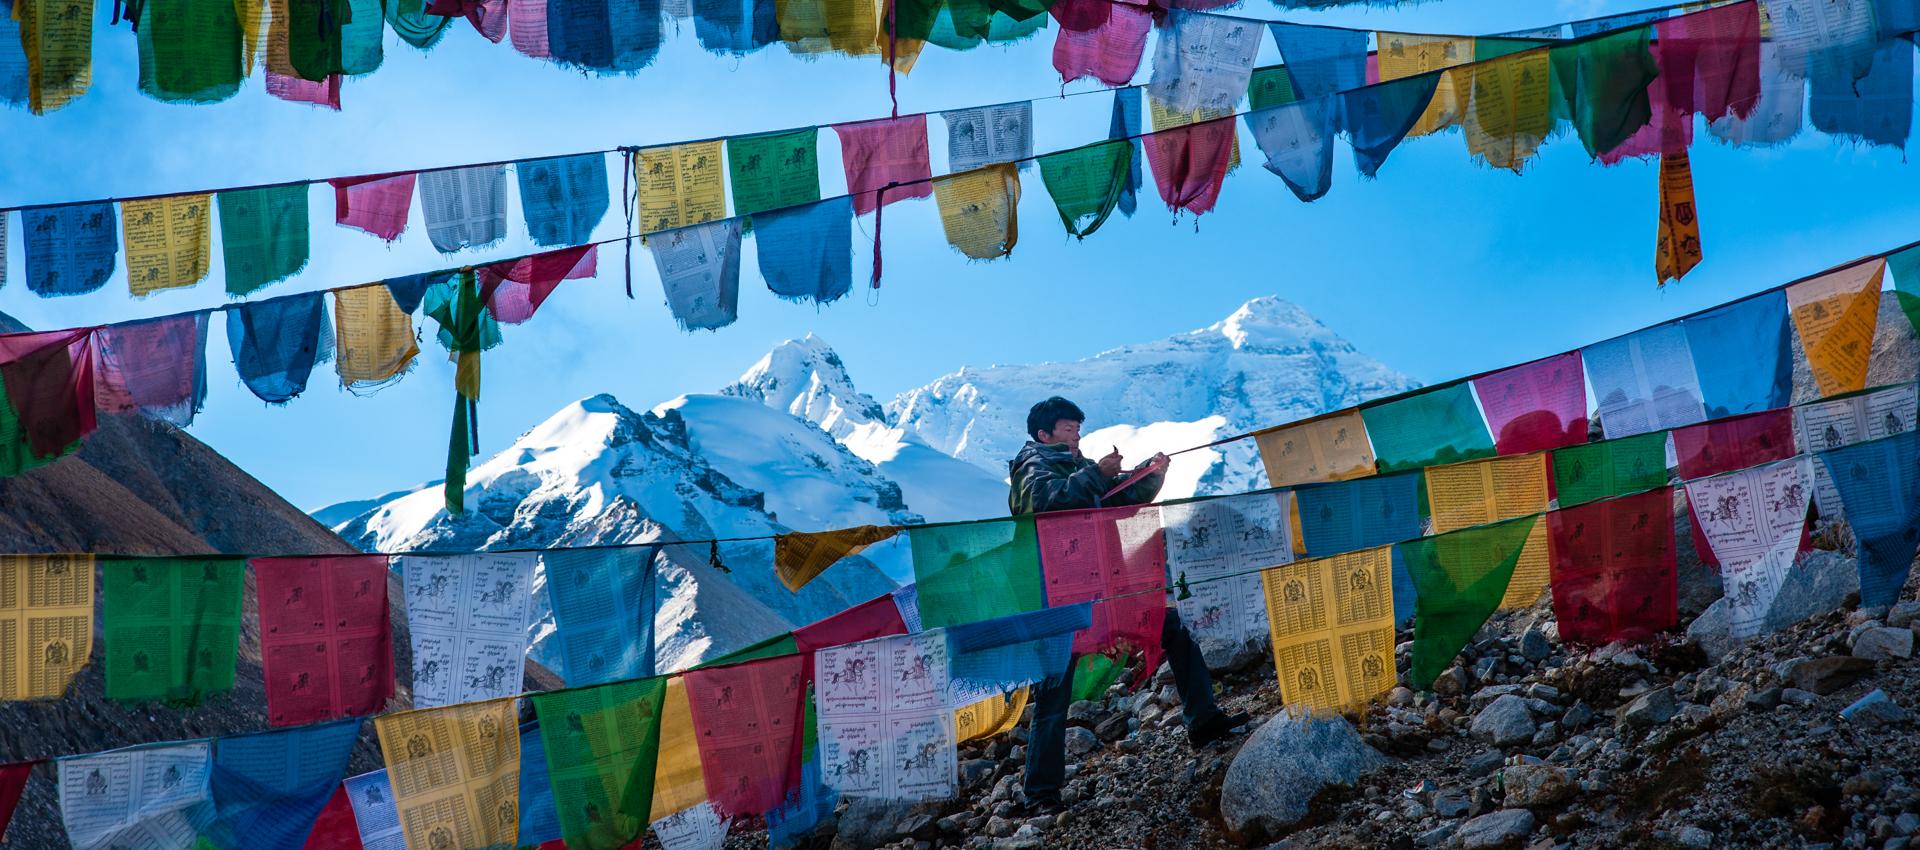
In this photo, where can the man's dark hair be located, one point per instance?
(1046, 414)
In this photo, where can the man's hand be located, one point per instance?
(1110, 465)
(1158, 461)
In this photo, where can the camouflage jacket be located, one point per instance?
(1055, 478)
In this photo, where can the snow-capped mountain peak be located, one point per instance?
(1275, 325)
(806, 378)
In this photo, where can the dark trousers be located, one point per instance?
(1047, 736)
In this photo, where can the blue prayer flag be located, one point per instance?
(14, 89)
(1876, 109)
(410, 290)
(996, 656)
(1361, 513)
(806, 809)
(71, 250)
(1879, 484)
(591, 34)
(1377, 117)
(276, 342)
(1322, 60)
(806, 252)
(738, 27)
(539, 820)
(1742, 353)
(268, 787)
(1297, 139)
(603, 607)
(1126, 125)
(563, 197)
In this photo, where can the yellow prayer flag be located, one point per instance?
(678, 781)
(1407, 54)
(680, 185)
(1836, 314)
(1332, 625)
(1463, 495)
(252, 14)
(1677, 247)
(979, 210)
(989, 717)
(166, 241)
(455, 772)
(1332, 448)
(57, 36)
(799, 557)
(1507, 113)
(819, 26)
(46, 611)
(373, 339)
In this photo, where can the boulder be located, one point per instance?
(1882, 643)
(1902, 615)
(1826, 675)
(1536, 785)
(1711, 631)
(1504, 828)
(1820, 583)
(871, 823)
(1283, 765)
(1504, 721)
(1081, 741)
(1649, 709)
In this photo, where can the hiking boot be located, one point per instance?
(1215, 728)
(1035, 807)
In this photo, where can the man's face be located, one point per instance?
(1065, 432)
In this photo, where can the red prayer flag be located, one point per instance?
(326, 93)
(13, 780)
(154, 366)
(49, 381)
(1711, 448)
(326, 641)
(884, 152)
(335, 828)
(527, 23)
(1614, 574)
(877, 618)
(489, 17)
(1117, 556)
(1190, 162)
(1081, 15)
(377, 204)
(746, 719)
(1710, 60)
(1109, 51)
(1535, 406)
(514, 289)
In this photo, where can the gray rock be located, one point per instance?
(1451, 802)
(1504, 828)
(1113, 728)
(1453, 682)
(1694, 838)
(871, 823)
(1081, 741)
(1795, 696)
(973, 771)
(1649, 709)
(1819, 584)
(1083, 711)
(1485, 764)
(1229, 656)
(1536, 785)
(1504, 721)
(1577, 716)
(1711, 631)
(1874, 709)
(1907, 823)
(1902, 615)
(1826, 675)
(1534, 645)
(1438, 835)
(1883, 643)
(1000, 827)
(1283, 764)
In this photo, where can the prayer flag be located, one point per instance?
(49, 600)
(1677, 246)
(1602, 86)
(1830, 424)
(1271, 86)
(326, 642)
(1465, 495)
(455, 773)
(1836, 314)
(418, 26)
(976, 571)
(851, 27)
(49, 383)
(377, 204)
(1333, 629)
(1125, 126)
(1203, 61)
(995, 656)
(156, 367)
(799, 557)
(1322, 60)
(1460, 577)
(1190, 160)
(1439, 425)
(1906, 282)
(1297, 139)
(802, 812)
(1117, 559)
(680, 185)
(604, 601)
(806, 252)
(988, 134)
(696, 828)
(603, 36)
(773, 171)
(325, 93)
(1378, 117)
(1752, 519)
(539, 820)
(699, 269)
(323, 40)
(736, 27)
(57, 36)
(122, 797)
(1535, 406)
(526, 27)
(189, 52)
(1509, 112)
(1778, 115)
(1109, 52)
(746, 715)
(334, 827)
(172, 627)
(1722, 445)
(1742, 353)
(991, 717)
(166, 241)
(464, 207)
(1614, 575)
(1710, 60)
(1644, 381)
(468, 618)
(678, 781)
(875, 618)
(276, 342)
(13, 780)
(602, 745)
(907, 599)
(70, 249)
(979, 210)
(1876, 109)
(269, 787)
(886, 161)
(375, 339)
(1403, 55)
(374, 814)
(1599, 470)
(1347, 516)
(1086, 182)
(1331, 448)
(513, 290)
(1879, 480)
(885, 729)
(1214, 548)
(14, 85)
(263, 235)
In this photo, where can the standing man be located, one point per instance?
(1050, 474)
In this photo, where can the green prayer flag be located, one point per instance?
(1271, 87)
(1094, 674)
(911, 19)
(466, 329)
(965, 24)
(190, 50)
(415, 26)
(1906, 283)
(770, 648)
(171, 627)
(1487, 47)
(602, 743)
(1087, 182)
(1437, 426)
(1601, 87)
(1459, 579)
(1593, 471)
(326, 37)
(976, 571)
(774, 170)
(263, 235)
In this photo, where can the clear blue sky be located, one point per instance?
(1439, 267)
